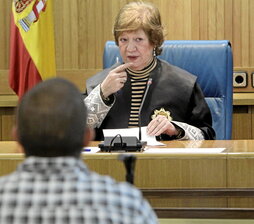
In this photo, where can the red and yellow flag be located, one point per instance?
(32, 47)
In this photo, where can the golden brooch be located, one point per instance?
(163, 113)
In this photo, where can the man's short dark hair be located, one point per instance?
(51, 119)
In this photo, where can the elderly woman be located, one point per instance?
(174, 107)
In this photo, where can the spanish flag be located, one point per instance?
(32, 47)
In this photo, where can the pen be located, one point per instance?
(87, 150)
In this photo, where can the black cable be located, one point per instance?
(113, 139)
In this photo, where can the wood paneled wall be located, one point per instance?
(83, 26)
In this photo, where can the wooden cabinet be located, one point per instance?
(7, 116)
(243, 116)
(7, 121)
(242, 122)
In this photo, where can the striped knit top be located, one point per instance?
(138, 86)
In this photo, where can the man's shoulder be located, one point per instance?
(124, 199)
(113, 186)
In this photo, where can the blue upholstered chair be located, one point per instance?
(211, 62)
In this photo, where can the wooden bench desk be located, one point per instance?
(177, 181)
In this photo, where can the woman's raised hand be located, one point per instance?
(115, 80)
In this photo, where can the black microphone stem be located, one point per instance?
(149, 82)
(129, 161)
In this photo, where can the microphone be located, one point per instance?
(129, 163)
(149, 82)
(126, 143)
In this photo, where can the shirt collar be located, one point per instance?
(52, 164)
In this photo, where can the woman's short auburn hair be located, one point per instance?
(140, 15)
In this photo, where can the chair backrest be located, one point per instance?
(211, 62)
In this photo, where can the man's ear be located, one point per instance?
(14, 133)
(88, 136)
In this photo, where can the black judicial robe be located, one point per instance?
(172, 88)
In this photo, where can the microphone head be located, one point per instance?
(149, 82)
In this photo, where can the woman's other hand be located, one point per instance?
(115, 80)
(161, 125)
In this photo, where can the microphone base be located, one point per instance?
(126, 144)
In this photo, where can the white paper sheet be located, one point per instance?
(185, 150)
(151, 140)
